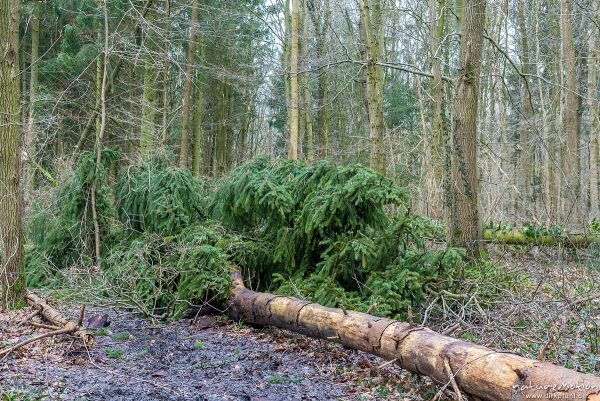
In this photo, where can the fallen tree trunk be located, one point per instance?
(517, 237)
(58, 319)
(479, 372)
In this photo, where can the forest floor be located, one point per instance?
(206, 358)
(540, 303)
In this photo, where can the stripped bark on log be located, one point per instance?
(479, 372)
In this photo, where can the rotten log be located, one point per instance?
(58, 319)
(478, 372)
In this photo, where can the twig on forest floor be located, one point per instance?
(451, 329)
(81, 315)
(29, 317)
(66, 330)
(44, 326)
(387, 363)
(451, 375)
(586, 298)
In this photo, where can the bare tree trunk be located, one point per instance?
(525, 159)
(165, 75)
(99, 138)
(11, 215)
(187, 94)
(371, 23)
(436, 29)
(149, 103)
(321, 27)
(33, 86)
(310, 149)
(294, 93)
(593, 109)
(571, 121)
(197, 153)
(464, 225)
(114, 74)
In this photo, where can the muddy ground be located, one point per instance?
(200, 359)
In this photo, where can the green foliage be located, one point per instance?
(163, 275)
(21, 395)
(114, 353)
(62, 232)
(123, 336)
(158, 198)
(281, 379)
(341, 235)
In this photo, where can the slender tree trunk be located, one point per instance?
(310, 149)
(372, 35)
(294, 93)
(165, 75)
(436, 30)
(464, 228)
(187, 94)
(11, 202)
(149, 103)
(33, 86)
(321, 27)
(99, 140)
(571, 120)
(525, 159)
(197, 153)
(593, 109)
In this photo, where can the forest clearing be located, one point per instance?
(299, 200)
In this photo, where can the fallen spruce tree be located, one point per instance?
(472, 370)
(339, 236)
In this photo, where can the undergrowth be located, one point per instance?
(340, 236)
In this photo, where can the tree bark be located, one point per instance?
(165, 75)
(479, 372)
(11, 202)
(464, 226)
(99, 140)
(33, 86)
(307, 93)
(525, 159)
(571, 119)
(321, 28)
(294, 92)
(197, 153)
(149, 103)
(593, 109)
(184, 150)
(436, 30)
(371, 24)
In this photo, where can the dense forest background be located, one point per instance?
(210, 81)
